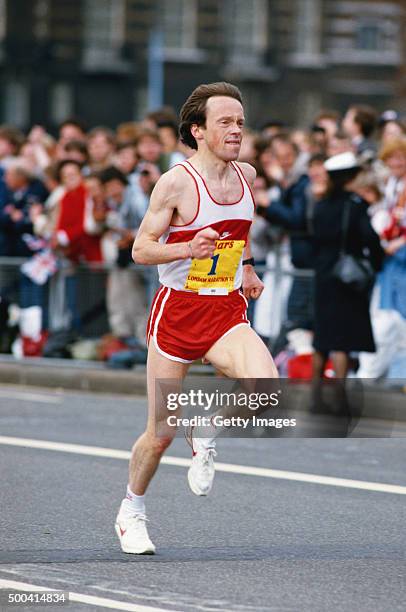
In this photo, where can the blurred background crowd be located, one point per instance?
(76, 178)
(71, 203)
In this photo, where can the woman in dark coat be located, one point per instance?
(342, 319)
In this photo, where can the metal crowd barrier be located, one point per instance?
(91, 283)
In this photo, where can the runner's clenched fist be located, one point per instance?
(203, 244)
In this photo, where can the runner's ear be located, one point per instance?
(196, 131)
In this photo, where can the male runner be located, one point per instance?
(196, 230)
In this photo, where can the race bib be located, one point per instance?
(219, 271)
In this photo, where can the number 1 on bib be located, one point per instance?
(215, 259)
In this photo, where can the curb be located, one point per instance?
(78, 375)
(65, 374)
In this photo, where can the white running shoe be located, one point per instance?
(133, 535)
(201, 472)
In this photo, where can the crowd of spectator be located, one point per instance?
(79, 198)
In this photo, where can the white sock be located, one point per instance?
(132, 504)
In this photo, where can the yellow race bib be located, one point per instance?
(219, 271)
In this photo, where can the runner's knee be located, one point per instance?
(151, 443)
(160, 444)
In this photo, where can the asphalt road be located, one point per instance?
(256, 543)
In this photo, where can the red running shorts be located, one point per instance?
(184, 325)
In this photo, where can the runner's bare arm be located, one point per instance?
(252, 286)
(247, 254)
(249, 174)
(147, 250)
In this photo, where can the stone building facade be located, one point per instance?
(92, 58)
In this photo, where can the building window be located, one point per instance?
(179, 23)
(104, 29)
(41, 13)
(3, 20)
(368, 36)
(17, 103)
(373, 35)
(246, 28)
(61, 101)
(309, 27)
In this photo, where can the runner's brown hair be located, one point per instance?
(193, 111)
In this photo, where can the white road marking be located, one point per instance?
(30, 397)
(81, 597)
(231, 468)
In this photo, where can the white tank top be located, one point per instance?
(223, 272)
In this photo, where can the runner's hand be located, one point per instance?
(203, 244)
(252, 286)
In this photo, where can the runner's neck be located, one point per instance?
(210, 166)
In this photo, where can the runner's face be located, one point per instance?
(224, 124)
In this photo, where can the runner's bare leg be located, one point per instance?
(149, 448)
(242, 354)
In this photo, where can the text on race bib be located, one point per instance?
(219, 271)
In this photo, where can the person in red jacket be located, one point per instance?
(71, 235)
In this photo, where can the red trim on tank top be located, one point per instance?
(198, 199)
(209, 194)
(239, 229)
(247, 183)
